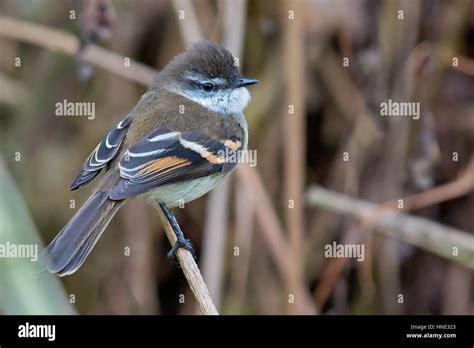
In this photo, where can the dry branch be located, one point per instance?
(188, 21)
(451, 190)
(60, 41)
(274, 237)
(190, 270)
(454, 189)
(445, 241)
(294, 130)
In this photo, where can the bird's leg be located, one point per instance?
(181, 241)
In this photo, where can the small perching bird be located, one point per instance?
(180, 140)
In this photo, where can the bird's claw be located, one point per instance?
(181, 243)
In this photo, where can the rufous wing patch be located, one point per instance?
(211, 158)
(164, 165)
(233, 145)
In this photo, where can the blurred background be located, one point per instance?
(330, 167)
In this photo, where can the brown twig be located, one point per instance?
(275, 239)
(442, 193)
(294, 130)
(190, 270)
(188, 21)
(60, 41)
(454, 189)
(244, 230)
(214, 239)
(442, 240)
(334, 269)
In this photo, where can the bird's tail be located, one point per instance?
(68, 251)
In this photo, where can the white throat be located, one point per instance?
(230, 101)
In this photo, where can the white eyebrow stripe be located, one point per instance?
(218, 80)
(163, 137)
(202, 79)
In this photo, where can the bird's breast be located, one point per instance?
(177, 194)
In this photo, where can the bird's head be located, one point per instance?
(207, 74)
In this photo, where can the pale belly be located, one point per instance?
(177, 194)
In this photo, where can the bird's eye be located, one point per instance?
(207, 87)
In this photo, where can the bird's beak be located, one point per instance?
(245, 81)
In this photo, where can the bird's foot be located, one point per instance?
(181, 243)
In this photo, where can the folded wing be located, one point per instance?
(166, 156)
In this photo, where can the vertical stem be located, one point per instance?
(294, 129)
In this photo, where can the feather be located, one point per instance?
(102, 155)
(69, 249)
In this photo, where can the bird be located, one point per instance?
(181, 140)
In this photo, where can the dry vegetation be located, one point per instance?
(315, 120)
